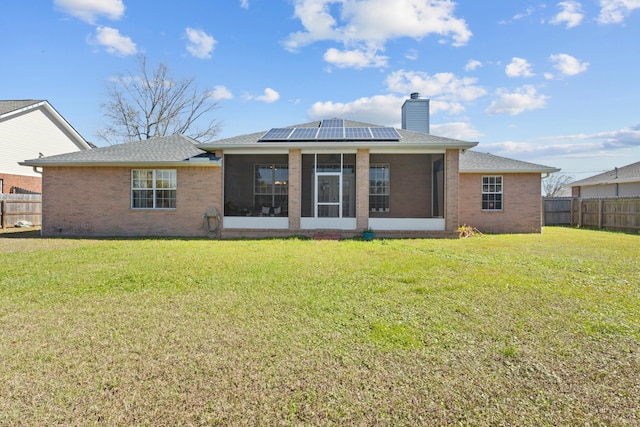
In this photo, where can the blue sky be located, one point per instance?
(554, 83)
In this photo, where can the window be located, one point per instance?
(379, 187)
(153, 188)
(492, 193)
(271, 187)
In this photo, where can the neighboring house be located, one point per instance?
(28, 129)
(501, 195)
(619, 182)
(334, 177)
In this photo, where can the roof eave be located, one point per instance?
(607, 182)
(494, 171)
(182, 163)
(462, 145)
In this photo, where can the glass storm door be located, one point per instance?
(328, 195)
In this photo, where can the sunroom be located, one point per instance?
(337, 175)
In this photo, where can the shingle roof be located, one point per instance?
(161, 150)
(628, 173)
(475, 162)
(409, 139)
(9, 106)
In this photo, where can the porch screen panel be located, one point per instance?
(254, 181)
(379, 188)
(271, 187)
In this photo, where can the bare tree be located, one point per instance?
(151, 103)
(554, 183)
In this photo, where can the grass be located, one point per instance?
(496, 330)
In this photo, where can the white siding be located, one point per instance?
(609, 190)
(415, 115)
(595, 191)
(630, 189)
(24, 136)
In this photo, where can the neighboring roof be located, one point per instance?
(10, 108)
(475, 162)
(628, 173)
(409, 139)
(167, 150)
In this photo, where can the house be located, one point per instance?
(619, 182)
(28, 129)
(501, 195)
(334, 177)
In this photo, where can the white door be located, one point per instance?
(328, 201)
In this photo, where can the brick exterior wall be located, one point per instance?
(362, 189)
(295, 188)
(521, 204)
(451, 189)
(30, 183)
(96, 201)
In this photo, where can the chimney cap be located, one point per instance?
(415, 95)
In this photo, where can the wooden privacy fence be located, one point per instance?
(20, 207)
(621, 213)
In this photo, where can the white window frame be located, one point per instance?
(154, 188)
(492, 193)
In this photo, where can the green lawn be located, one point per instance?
(495, 330)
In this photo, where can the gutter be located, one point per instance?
(336, 145)
(182, 163)
(546, 171)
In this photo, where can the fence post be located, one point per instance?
(580, 212)
(600, 212)
(3, 214)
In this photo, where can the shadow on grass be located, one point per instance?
(20, 233)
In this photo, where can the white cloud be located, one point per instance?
(244, 4)
(269, 96)
(114, 42)
(568, 65)
(200, 43)
(445, 90)
(456, 130)
(354, 58)
(571, 14)
(524, 14)
(412, 55)
(614, 11)
(570, 146)
(219, 93)
(379, 109)
(90, 10)
(522, 99)
(518, 67)
(368, 24)
(472, 65)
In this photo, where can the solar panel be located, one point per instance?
(385, 133)
(277, 134)
(357, 133)
(304, 133)
(330, 133)
(332, 123)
